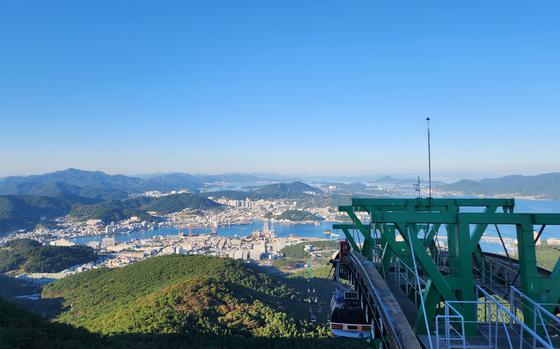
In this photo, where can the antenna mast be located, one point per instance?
(417, 187)
(429, 159)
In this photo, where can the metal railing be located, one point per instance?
(500, 325)
(453, 334)
(544, 323)
(419, 288)
(490, 277)
(406, 279)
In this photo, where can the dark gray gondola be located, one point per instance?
(347, 317)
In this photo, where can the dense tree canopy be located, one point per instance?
(298, 216)
(201, 299)
(30, 256)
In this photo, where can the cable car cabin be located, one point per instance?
(347, 317)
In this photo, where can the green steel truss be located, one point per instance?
(418, 221)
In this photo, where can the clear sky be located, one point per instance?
(295, 87)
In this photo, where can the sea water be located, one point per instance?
(317, 230)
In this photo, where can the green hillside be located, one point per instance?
(95, 184)
(294, 190)
(20, 329)
(172, 203)
(30, 256)
(295, 256)
(25, 212)
(298, 216)
(110, 211)
(297, 251)
(118, 210)
(215, 302)
(133, 299)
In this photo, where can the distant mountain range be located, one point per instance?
(544, 185)
(28, 201)
(94, 184)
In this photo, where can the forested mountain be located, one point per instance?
(286, 190)
(31, 256)
(61, 189)
(95, 184)
(169, 182)
(545, 185)
(347, 188)
(96, 195)
(72, 177)
(140, 206)
(20, 329)
(25, 211)
(198, 300)
(294, 190)
(298, 216)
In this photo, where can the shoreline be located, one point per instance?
(245, 231)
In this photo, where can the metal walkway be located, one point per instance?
(378, 302)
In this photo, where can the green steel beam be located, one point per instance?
(556, 270)
(431, 299)
(367, 247)
(430, 203)
(432, 233)
(350, 238)
(429, 268)
(415, 215)
(510, 218)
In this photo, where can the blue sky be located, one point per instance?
(294, 87)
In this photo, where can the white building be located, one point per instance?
(61, 242)
(107, 242)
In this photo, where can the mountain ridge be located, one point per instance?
(546, 185)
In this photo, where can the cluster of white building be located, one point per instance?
(158, 194)
(256, 247)
(247, 203)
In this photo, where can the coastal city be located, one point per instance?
(261, 247)
(193, 231)
(189, 231)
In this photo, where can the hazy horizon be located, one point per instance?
(445, 177)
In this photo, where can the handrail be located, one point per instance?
(538, 305)
(395, 322)
(447, 316)
(420, 289)
(521, 323)
(538, 311)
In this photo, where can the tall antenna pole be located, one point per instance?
(429, 159)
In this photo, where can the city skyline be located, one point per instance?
(284, 87)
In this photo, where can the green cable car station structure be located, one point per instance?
(424, 278)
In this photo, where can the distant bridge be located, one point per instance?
(418, 292)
